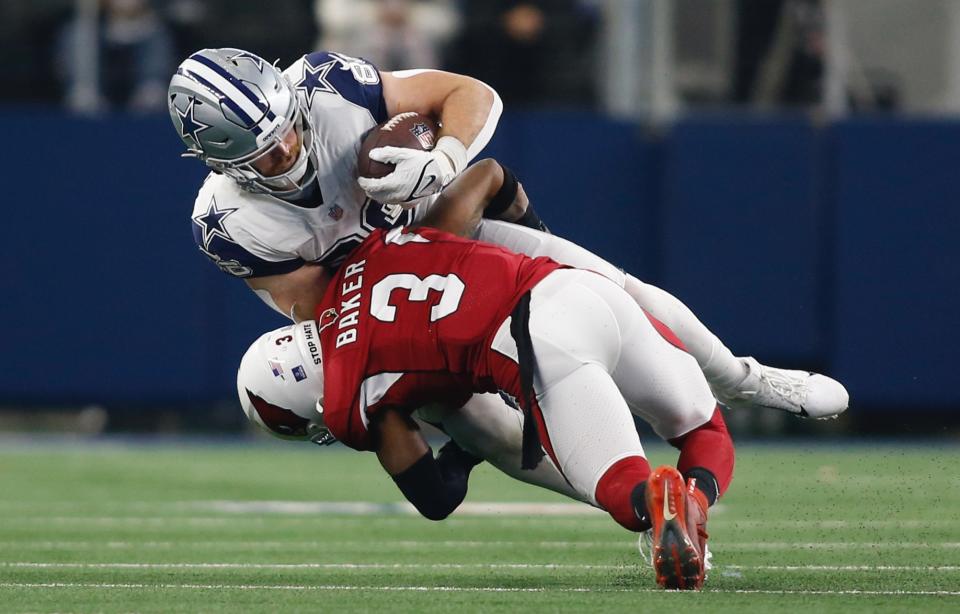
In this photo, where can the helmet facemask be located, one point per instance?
(292, 181)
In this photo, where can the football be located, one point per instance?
(410, 130)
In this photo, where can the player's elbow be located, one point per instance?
(436, 514)
(487, 94)
(496, 104)
(482, 98)
(436, 507)
(491, 171)
(426, 489)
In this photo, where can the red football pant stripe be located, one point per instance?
(665, 331)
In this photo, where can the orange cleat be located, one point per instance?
(678, 513)
(697, 520)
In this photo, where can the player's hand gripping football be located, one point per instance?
(417, 173)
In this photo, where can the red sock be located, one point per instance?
(707, 447)
(616, 486)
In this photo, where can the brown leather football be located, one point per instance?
(410, 130)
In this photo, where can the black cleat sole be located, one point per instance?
(676, 560)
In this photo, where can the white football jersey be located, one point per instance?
(253, 235)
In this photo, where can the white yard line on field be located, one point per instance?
(142, 520)
(416, 566)
(498, 514)
(358, 508)
(356, 511)
(452, 589)
(834, 524)
(315, 508)
(385, 544)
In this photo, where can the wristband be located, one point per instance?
(451, 147)
(530, 219)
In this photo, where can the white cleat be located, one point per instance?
(645, 546)
(806, 394)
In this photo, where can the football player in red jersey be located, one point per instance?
(419, 316)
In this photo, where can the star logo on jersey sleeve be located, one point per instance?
(189, 125)
(314, 80)
(211, 223)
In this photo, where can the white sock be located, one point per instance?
(719, 365)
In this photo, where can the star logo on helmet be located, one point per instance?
(211, 223)
(244, 55)
(189, 125)
(314, 80)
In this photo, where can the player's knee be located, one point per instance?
(714, 422)
(700, 417)
(709, 416)
(615, 489)
(708, 446)
(708, 424)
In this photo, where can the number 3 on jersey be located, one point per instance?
(450, 287)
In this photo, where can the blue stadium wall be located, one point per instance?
(832, 247)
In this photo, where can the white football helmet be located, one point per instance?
(280, 383)
(231, 108)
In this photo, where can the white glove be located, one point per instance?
(417, 173)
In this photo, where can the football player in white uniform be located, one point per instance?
(283, 201)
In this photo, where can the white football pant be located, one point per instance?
(717, 362)
(598, 358)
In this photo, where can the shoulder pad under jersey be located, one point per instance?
(230, 231)
(353, 79)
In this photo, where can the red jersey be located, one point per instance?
(409, 320)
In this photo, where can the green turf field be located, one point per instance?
(240, 528)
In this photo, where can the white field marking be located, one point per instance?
(158, 521)
(461, 519)
(251, 511)
(841, 568)
(835, 524)
(360, 508)
(381, 544)
(353, 508)
(891, 545)
(416, 566)
(457, 589)
(499, 511)
(177, 522)
(293, 566)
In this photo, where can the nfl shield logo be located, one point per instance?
(423, 134)
(335, 212)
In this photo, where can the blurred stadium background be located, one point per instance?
(786, 167)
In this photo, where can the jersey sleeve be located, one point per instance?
(233, 253)
(234, 259)
(354, 79)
